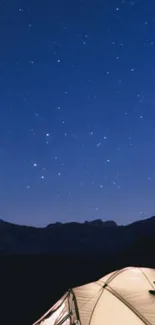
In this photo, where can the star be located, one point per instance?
(73, 130)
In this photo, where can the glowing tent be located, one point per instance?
(124, 297)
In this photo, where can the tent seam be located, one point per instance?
(147, 278)
(95, 307)
(113, 276)
(76, 306)
(127, 304)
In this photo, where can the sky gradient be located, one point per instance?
(77, 110)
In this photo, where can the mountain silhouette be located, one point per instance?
(39, 264)
(97, 237)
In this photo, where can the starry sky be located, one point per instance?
(77, 110)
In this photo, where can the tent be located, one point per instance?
(124, 297)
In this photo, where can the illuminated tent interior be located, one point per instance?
(125, 296)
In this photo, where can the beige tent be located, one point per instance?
(124, 297)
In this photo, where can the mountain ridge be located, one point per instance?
(97, 236)
(91, 222)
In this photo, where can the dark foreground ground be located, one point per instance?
(31, 284)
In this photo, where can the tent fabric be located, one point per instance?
(125, 296)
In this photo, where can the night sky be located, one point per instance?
(77, 110)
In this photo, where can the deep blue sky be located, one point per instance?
(77, 110)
